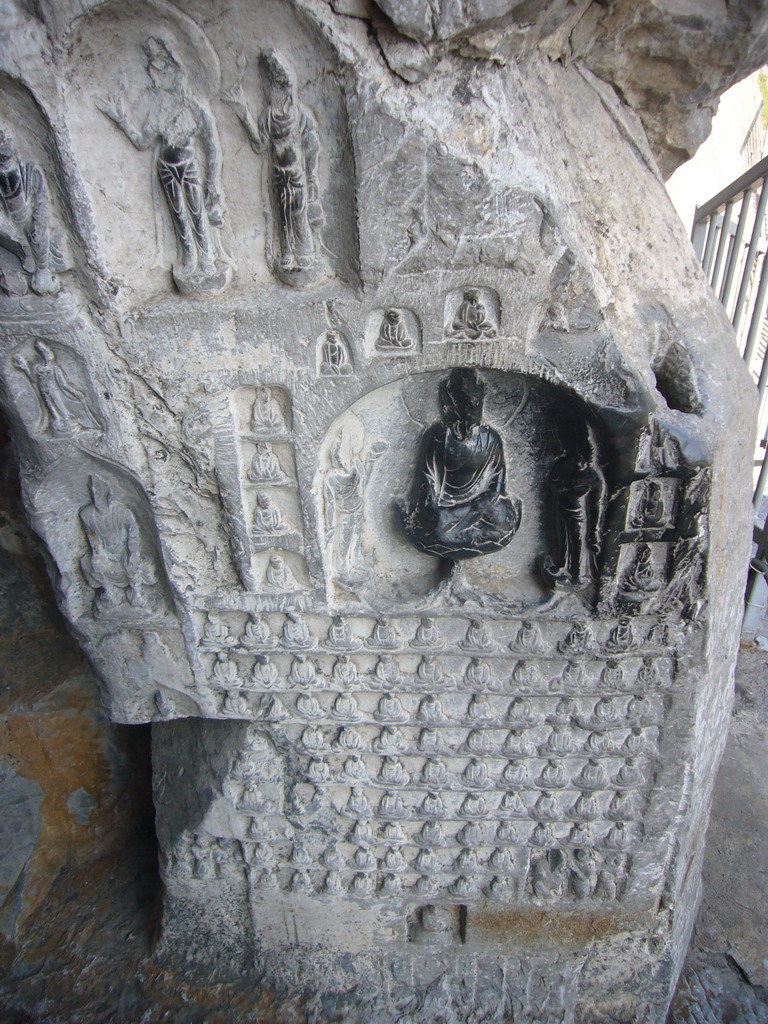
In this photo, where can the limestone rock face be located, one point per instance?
(669, 60)
(387, 446)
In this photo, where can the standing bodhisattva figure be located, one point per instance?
(174, 121)
(286, 132)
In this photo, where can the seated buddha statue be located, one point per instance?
(457, 507)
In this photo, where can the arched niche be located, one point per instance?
(367, 461)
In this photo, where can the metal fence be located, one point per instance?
(729, 235)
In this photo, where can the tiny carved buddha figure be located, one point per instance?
(457, 507)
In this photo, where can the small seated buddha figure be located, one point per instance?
(592, 776)
(621, 637)
(264, 468)
(501, 860)
(464, 887)
(431, 741)
(546, 807)
(354, 769)
(476, 773)
(393, 333)
(383, 636)
(278, 576)
(470, 835)
(319, 770)
(427, 862)
(333, 859)
(302, 673)
(345, 708)
(432, 806)
(390, 709)
(363, 859)
(236, 705)
(429, 671)
(434, 773)
(508, 832)
(478, 674)
(389, 741)
(630, 774)
(626, 806)
(392, 805)
(427, 635)
(512, 805)
(257, 635)
(392, 772)
(585, 808)
(393, 835)
(473, 806)
(639, 708)
(264, 673)
(466, 861)
(335, 360)
(560, 741)
(528, 639)
(515, 774)
(267, 521)
(266, 416)
(431, 834)
(361, 834)
(340, 636)
(552, 775)
(344, 672)
(349, 739)
(217, 634)
(309, 707)
(641, 577)
(479, 710)
(225, 672)
(477, 638)
(648, 674)
(361, 884)
(471, 319)
(391, 885)
(611, 676)
(393, 860)
(517, 744)
(296, 632)
(458, 507)
(431, 710)
(478, 742)
(357, 805)
(333, 884)
(577, 640)
(650, 508)
(385, 672)
(573, 676)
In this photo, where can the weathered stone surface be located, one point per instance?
(380, 433)
(669, 61)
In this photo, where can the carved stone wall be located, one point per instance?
(387, 446)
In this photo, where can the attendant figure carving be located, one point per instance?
(116, 566)
(66, 406)
(25, 235)
(278, 576)
(174, 123)
(286, 133)
(344, 493)
(577, 486)
(458, 507)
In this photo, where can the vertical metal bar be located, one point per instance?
(709, 248)
(698, 235)
(733, 259)
(754, 328)
(724, 234)
(747, 271)
(762, 480)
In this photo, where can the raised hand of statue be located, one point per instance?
(235, 98)
(21, 364)
(113, 107)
